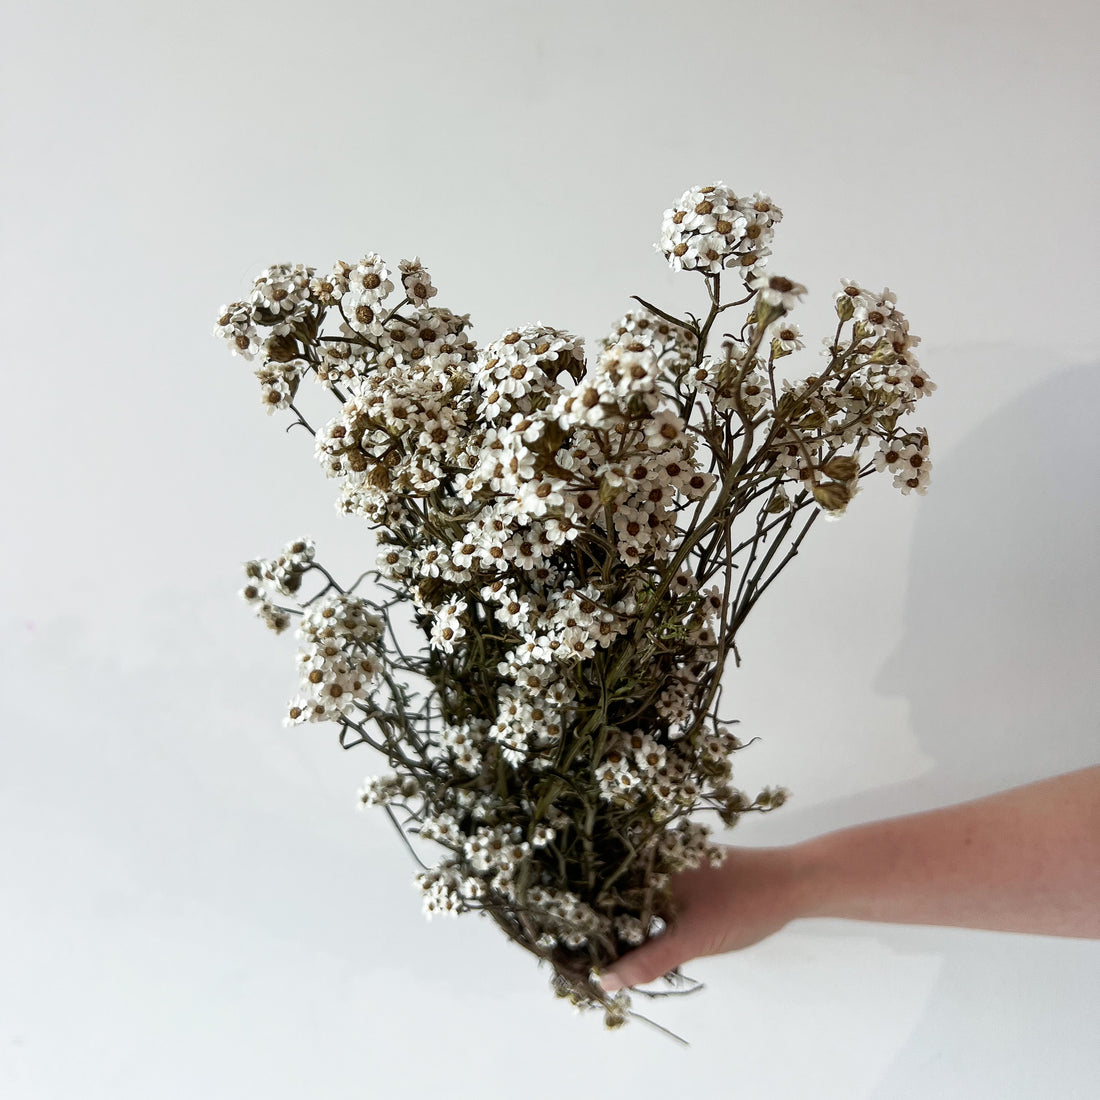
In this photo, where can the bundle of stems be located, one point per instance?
(575, 546)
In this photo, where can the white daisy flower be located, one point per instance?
(369, 281)
(777, 290)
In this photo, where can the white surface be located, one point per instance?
(189, 903)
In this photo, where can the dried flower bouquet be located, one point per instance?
(578, 545)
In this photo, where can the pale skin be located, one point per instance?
(1024, 860)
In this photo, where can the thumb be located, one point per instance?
(660, 955)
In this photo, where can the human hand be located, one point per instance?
(750, 896)
(1023, 860)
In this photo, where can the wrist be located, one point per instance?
(812, 879)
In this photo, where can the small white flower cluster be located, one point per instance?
(638, 768)
(441, 889)
(859, 407)
(282, 300)
(379, 790)
(685, 846)
(674, 346)
(908, 461)
(282, 309)
(462, 745)
(710, 229)
(337, 659)
(730, 381)
(281, 576)
(487, 861)
(568, 920)
(403, 422)
(890, 385)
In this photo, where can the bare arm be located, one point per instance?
(1024, 860)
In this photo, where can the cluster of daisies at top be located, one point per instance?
(579, 542)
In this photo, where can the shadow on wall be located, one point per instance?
(1000, 642)
(1001, 616)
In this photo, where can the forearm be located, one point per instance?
(1023, 860)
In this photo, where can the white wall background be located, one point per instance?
(189, 904)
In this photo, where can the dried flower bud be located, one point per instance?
(842, 468)
(883, 353)
(273, 617)
(786, 406)
(282, 349)
(551, 439)
(833, 496)
(771, 798)
(559, 985)
(764, 313)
